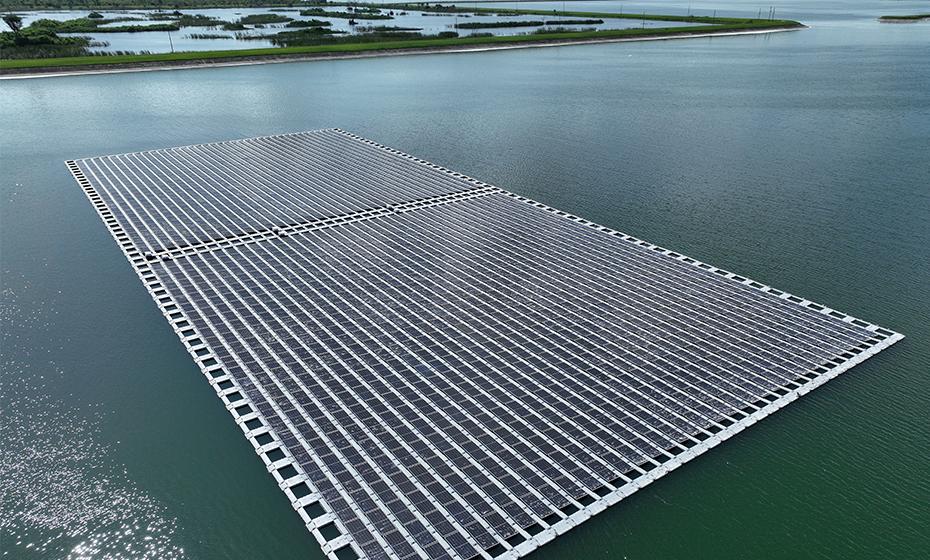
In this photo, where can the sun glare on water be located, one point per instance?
(61, 493)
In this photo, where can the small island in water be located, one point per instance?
(911, 18)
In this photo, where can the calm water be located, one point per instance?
(800, 159)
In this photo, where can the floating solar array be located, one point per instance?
(433, 367)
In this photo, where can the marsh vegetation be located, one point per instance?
(352, 14)
(530, 23)
(340, 27)
(263, 19)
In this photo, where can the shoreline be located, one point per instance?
(64, 71)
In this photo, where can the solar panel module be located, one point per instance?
(433, 367)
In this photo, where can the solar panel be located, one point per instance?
(433, 367)
(192, 194)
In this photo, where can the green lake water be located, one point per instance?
(799, 159)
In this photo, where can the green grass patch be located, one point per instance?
(186, 20)
(362, 14)
(262, 19)
(88, 25)
(308, 23)
(32, 43)
(198, 20)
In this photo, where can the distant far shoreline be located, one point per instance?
(209, 59)
(912, 18)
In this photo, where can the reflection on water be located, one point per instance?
(61, 494)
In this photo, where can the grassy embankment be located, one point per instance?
(714, 25)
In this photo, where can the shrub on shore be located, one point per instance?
(38, 42)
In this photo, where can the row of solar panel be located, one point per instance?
(338, 392)
(176, 197)
(493, 354)
(606, 252)
(320, 447)
(862, 331)
(319, 350)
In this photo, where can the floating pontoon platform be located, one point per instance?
(433, 367)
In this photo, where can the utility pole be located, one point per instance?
(170, 42)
